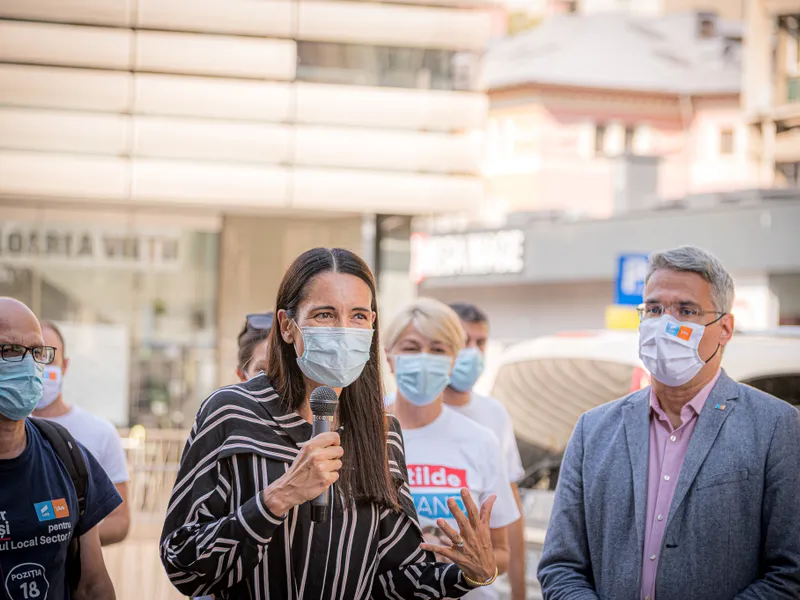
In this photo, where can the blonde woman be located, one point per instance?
(445, 451)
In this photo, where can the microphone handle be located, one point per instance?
(320, 506)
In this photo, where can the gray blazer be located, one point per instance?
(733, 530)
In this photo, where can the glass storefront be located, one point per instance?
(136, 298)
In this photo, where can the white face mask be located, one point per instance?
(51, 382)
(668, 349)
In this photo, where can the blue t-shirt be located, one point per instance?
(39, 515)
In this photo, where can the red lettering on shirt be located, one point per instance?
(436, 476)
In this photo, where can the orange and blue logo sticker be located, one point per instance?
(679, 331)
(52, 510)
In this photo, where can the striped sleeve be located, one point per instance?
(404, 569)
(407, 571)
(212, 537)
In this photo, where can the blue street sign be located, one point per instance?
(631, 273)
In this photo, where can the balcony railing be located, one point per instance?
(793, 89)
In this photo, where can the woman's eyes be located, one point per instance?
(409, 348)
(330, 315)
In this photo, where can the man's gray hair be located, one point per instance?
(691, 259)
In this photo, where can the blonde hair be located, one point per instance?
(432, 319)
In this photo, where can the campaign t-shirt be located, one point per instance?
(491, 413)
(100, 437)
(39, 515)
(451, 453)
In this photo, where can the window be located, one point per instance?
(790, 28)
(630, 138)
(600, 140)
(726, 142)
(125, 297)
(790, 172)
(384, 66)
(707, 25)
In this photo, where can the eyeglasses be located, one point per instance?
(17, 353)
(687, 312)
(260, 321)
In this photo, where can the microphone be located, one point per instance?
(324, 403)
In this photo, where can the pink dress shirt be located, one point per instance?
(668, 447)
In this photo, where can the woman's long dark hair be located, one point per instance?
(365, 474)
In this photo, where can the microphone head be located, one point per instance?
(324, 402)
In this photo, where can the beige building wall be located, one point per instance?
(713, 168)
(254, 254)
(769, 97)
(543, 156)
(201, 104)
(757, 66)
(727, 9)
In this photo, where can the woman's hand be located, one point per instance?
(472, 546)
(434, 537)
(314, 470)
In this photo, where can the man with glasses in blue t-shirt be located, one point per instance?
(48, 531)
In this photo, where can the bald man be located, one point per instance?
(39, 514)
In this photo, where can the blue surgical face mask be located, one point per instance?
(20, 387)
(468, 367)
(421, 378)
(334, 356)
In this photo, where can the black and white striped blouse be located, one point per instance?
(219, 537)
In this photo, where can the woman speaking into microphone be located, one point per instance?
(239, 521)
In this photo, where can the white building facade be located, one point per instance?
(162, 161)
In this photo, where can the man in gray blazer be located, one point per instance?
(689, 489)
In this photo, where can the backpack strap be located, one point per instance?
(68, 452)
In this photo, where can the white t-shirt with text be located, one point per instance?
(451, 453)
(101, 438)
(491, 413)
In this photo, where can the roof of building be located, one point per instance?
(621, 52)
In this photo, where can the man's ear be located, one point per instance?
(727, 326)
(64, 366)
(389, 359)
